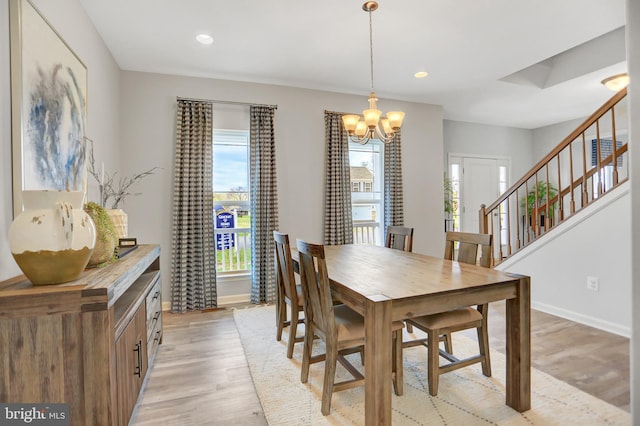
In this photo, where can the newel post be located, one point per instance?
(482, 220)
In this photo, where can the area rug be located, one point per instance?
(465, 396)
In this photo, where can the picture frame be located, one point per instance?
(48, 106)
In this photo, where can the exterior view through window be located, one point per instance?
(366, 162)
(231, 201)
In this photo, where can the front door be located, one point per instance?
(480, 185)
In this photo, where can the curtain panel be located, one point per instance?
(338, 221)
(393, 195)
(264, 203)
(193, 256)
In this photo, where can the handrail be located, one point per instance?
(544, 197)
(577, 132)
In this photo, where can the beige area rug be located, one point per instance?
(465, 396)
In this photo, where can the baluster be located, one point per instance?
(560, 197)
(518, 240)
(572, 204)
(547, 216)
(614, 143)
(599, 159)
(508, 215)
(585, 191)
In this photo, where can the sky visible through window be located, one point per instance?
(230, 164)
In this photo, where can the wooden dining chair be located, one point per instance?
(289, 293)
(399, 237)
(338, 326)
(439, 326)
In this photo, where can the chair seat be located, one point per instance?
(350, 324)
(447, 319)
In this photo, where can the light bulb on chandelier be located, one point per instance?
(372, 127)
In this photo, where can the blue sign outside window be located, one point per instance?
(225, 220)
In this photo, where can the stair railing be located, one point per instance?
(588, 163)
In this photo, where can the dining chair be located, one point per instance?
(289, 293)
(463, 247)
(338, 326)
(399, 237)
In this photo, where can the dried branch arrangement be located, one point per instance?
(112, 189)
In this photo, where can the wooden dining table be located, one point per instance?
(386, 285)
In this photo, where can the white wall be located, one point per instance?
(547, 138)
(148, 120)
(595, 242)
(633, 58)
(480, 139)
(103, 122)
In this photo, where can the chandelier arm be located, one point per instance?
(383, 137)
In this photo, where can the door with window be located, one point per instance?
(476, 180)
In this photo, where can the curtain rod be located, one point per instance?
(215, 101)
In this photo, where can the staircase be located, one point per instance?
(586, 166)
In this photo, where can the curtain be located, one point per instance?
(264, 203)
(338, 222)
(193, 257)
(393, 196)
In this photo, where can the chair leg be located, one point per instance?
(448, 343)
(409, 327)
(306, 353)
(293, 329)
(398, 377)
(433, 364)
(329, 379)
(483, 342)
(281, 315)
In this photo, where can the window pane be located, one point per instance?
(231, 201)
(366, 191)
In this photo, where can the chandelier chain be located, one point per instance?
(371, 47)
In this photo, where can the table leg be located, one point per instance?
(518, 317)
(377, 367)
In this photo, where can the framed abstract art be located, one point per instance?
(48, 106)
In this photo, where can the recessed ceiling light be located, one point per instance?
(421, 74)
(204, 38)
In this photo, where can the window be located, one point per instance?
(231, 200)
(366, 163)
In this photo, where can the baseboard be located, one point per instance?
(222, 300)
(233, 298)
(582, 319)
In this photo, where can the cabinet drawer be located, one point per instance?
(154, 319)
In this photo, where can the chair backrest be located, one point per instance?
(284, 266)
(467, 248)
(316, 290)
(399, 237)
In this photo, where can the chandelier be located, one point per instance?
(372, 126)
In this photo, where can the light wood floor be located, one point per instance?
(201, 377)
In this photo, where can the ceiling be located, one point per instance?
(471, 49)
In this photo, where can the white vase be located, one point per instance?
(52, 239)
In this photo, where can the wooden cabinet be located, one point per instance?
(88, 343)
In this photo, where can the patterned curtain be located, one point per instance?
(264, 203)
(193, 258)
(338, 223)
(393, 197)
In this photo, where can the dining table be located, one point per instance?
(386, 285)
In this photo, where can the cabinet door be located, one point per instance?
(131, 364)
